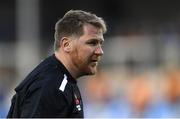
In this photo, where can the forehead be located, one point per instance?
(93, 31)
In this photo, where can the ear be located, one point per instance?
(66, 44)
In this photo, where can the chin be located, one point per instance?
(91, 72)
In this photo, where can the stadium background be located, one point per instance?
(139, 75)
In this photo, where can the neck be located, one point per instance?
(66, 61)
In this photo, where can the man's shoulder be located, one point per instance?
(46, 67)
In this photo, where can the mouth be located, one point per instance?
(94, 62)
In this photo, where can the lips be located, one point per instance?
(97, 59)
(94, 62)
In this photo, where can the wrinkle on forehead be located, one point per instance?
(91, 29)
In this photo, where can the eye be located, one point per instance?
(93, 43)
(101, 43)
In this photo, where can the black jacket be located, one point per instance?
(48, 91)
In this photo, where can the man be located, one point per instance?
(50, 90)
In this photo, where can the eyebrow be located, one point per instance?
(97, 39)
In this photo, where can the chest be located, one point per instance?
(76, 103)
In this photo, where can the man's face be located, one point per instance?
(87, 50)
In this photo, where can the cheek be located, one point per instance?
(84, 54)
(83, 58)
(79, 56)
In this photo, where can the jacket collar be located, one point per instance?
(63, 69)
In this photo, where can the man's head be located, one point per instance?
(79, 36)
(72, 25)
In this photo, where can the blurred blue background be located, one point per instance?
(139, 75)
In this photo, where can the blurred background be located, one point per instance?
(139, 75)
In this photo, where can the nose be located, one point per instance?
(99, 51)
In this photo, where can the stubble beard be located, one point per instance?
(88, 68)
